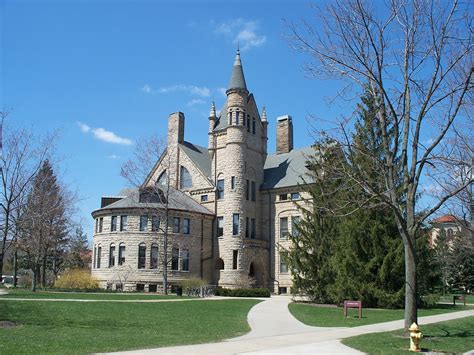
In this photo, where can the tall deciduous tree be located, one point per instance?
(78, 252)
(417, 59)
(21, 157)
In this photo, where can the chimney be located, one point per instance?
(284, 135)
(175, 128)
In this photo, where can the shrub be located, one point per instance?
(189, 284)
(78, 279)
(242, 292)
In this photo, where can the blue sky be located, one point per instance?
(108, 73)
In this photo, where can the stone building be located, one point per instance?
(233, 205)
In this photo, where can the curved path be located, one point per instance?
(276, 331)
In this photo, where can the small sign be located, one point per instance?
(353, 304)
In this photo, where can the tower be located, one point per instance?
(239, 153)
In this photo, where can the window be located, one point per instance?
(220, 226)
(247, 192)
(186, 180)
(154, 257)
(96, 226)
(143, 223)
(295, 220)
(232, 182)
(163, 178)
(248, 123)
(237, 115)
(152, 288)
(247, 229)
(99, 254)
(185, 260)
(295, 195)
(230, 118)
(253, 125)
(283, 197)
(252, 229)
(112, 256)
(284, 227)
(282, 290)
(283, 266)
(141, 256)
(123, 223)
(175, 259)
(203, 198)
(220, 189)
(95, 258)
(253, 192)
(176, 223)
(155, 223)
(235, 224)
(101, 224)
(113, 224)
(186, 225)
(121, 260)
(140, 287)
(235, 256)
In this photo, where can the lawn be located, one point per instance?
(82, 327)
(449, 299)
(21, 293)
(455, 336)
(334, 316)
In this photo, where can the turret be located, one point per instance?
(212, 124)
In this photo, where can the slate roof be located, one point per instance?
(237, 80)
(221, 121)
(284, 170)
(177, 201)
(200, 156)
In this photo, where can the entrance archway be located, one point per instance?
(257, 272)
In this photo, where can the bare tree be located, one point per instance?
(21, 157)
(156, 197)
(415, 57)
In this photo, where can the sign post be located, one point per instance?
(353, 304)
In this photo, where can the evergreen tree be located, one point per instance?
(78, 256)
(43, 224)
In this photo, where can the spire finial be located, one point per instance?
(264, 114)
(238, 47)
(212, 114)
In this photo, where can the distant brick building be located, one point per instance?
(233, 204)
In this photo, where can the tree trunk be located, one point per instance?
(165, 261)
(36, 270)
(410, 282)
(43, 274)
(15, 267)
(1, 266)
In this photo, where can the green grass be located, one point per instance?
(455, 336)
(21, 293)
(334, 316)
(77, 328)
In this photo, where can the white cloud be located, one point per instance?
(242, 32)
(222, 91)
(110, 137)
(196, 102)
(113, 156)
(84, 128)
(146, 88)
(104, 135)
(201, 91)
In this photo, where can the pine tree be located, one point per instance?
(78, 256)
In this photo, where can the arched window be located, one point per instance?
(162, 179)
(185, 260)
(154, 257)
(175, 258)
(121, 259)
(186, 180)
(112, 255)
(220, 264)
(141, 255)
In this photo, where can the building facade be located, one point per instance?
(231, 210)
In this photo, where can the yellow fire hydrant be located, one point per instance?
(415, 337)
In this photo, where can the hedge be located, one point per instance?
(242, 292)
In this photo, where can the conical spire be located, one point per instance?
(237, 81)
(264, 114)
(212, 113)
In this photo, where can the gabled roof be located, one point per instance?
(177, 200)
(288, 169)
(221, 121)
(200, 156)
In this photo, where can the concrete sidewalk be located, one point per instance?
(276, 331)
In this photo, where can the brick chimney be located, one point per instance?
(284, 137)
(175, 128)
